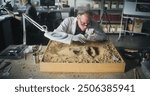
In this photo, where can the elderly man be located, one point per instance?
(82, 28)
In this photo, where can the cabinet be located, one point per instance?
(135, 13)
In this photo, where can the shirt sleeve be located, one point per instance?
(63, 27)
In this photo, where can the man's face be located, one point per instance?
(83, 21)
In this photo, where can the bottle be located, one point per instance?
(130, 25)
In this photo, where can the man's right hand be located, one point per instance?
(79, 37)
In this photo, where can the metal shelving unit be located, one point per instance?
(133, 10)
(109, 14)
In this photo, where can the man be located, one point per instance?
(83, 28)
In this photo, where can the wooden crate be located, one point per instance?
(89, 57)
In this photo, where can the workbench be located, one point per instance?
(26, 68)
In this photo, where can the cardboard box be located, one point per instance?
(115, 28)
(138, 24)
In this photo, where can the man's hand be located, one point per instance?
(97, 37)
(79, 37)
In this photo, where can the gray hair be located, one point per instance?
(84, 10)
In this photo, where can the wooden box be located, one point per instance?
(77, 57)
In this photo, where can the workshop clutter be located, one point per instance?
(113, 28)
(109, 4)
(13, 52)
(5, 67)
(35, 50)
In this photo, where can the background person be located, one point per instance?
(30, 10)
(32, 33)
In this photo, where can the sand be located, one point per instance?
(91, 52)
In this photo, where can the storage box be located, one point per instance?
(138, 24)
(77, 57)
(115, 28)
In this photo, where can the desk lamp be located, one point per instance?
(56, 36)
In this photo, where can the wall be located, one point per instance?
(79, 2)
(71, 2)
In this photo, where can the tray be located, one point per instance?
(77, 57)
(13, 52)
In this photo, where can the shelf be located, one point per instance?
(114, 10)
(135, 32)
(142, 3)
(136, 16)
(131, 9)
(112, 22)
